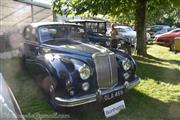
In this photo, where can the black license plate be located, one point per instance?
(113, 95)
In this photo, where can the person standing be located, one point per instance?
(113, 41)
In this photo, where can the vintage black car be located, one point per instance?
(72, 71)
(95, 30)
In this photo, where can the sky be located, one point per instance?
(48, 2)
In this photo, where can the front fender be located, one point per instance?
(125, 55)
(61, 70)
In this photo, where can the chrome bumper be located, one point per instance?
(72, 102)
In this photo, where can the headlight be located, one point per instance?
(82, 68)
(126, 63)
(84, 72)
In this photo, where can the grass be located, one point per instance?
(157, 97)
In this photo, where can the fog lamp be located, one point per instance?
(85, 86)
(126, 75)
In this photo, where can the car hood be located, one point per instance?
(76, 47)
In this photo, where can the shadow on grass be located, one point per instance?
(149, 71)
(145, 59)
(170, 61)
(152, 59)
(138, 107)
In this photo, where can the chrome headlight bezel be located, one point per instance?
(84, 72)
(126, 64)
(83, 69)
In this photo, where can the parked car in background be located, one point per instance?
(168, 38)
(95, 30)
(9, 108)
(74, 72)
(158, 29)
(127, 33)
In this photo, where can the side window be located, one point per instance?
(102, 28)
(29, 33)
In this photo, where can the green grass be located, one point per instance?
(157, 97)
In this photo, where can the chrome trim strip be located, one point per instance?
(92, 97)
(110, 64)
(112, 61)
(76, 101)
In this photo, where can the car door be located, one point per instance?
(33, 61)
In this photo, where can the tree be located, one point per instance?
(141, 26)
(126, 9)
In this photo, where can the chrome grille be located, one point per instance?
(106, 69)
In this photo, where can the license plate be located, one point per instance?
(113, 95)
(114, 108)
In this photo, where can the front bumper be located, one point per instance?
(76, 101)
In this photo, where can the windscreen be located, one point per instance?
(61, 32)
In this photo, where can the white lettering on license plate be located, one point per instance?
(114, 108)
(113, 95)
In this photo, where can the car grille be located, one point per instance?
(106, 69)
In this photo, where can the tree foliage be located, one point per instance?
(125, 12)
(163, 12)
(122, 11)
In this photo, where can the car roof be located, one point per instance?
(174, 29)
(121, 26)
(161, 26)
(85, 20)
(38, 24)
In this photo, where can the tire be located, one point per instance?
(46, 83)
(171, 47)
(51, 100)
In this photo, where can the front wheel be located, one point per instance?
(52, 102)
(46, 83)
